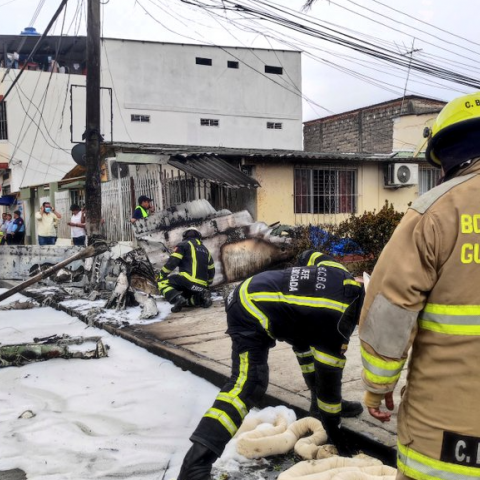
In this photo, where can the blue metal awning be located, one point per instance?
(7, 200)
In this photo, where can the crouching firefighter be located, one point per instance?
(315, 310)
(196, 271)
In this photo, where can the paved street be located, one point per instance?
(195, 340)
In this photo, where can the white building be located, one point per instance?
(151, 93)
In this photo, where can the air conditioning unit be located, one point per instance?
(112, 170)
(401, 175)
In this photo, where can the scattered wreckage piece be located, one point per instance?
(97, 247)
(240, 246)
(135, 284)
(20, 305)
(55, 346)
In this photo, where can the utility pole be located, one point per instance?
(92, 133)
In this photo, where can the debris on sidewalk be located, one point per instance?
(55, 346)
(20, 305)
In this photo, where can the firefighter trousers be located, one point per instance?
(175, 285)
(245, 388)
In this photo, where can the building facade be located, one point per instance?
(151, 92)
(368, 130)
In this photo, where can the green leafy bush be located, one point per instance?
(357, 241)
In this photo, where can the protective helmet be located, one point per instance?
(192, 232)
(455, 135)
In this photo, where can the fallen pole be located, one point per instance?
(96, 248)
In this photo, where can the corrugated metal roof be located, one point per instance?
(264, 154)
(212, 168)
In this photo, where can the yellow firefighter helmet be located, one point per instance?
(455, 135)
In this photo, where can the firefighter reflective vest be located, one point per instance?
(194, 262)
(424, 292)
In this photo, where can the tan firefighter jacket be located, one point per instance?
(425, 293)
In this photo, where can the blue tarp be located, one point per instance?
(7, 200)
(340, 246)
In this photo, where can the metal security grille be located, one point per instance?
(326, 190)
(428, 178)
(3, 121)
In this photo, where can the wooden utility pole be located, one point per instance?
(92, 133)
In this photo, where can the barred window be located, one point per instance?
(325, 190)
(3, 121)
(274, 125)
(428, 178)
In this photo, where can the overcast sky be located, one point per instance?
(335, 79)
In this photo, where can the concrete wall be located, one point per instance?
(366, 130)
(408, 132)
(40, 147)
(164, 81)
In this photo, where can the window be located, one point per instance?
(274, 125)
(140, 118)
(428, 178)
(3, 120)
(325, 190)
(231, 64)
(275, 70)
(203, 61)
(209, 122)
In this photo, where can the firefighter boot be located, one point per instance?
(197, 463)
(206, 299)
(351, 409)
(179, 302)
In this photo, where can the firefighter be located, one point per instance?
(313, 257)
(424, 293)
(196, 270)
(315, 310)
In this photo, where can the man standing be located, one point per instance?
(143, 209)
(47, 223)
(196, 270)
(424, 292)
(16, 230)
(77, 226)
(315, 310)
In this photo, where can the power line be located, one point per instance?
(333, 36)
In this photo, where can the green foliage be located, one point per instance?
(369, 233)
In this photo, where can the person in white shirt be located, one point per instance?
(77, 224)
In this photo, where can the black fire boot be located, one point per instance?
(206, 299)
(351, 409)
(179, 302)
(197, 463)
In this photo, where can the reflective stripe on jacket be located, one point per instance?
(424, 292)
(314, 309)
(194, 262)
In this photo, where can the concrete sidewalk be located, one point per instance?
(195, 340)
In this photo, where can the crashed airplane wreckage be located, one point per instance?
(239, 246)
(125, 276)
